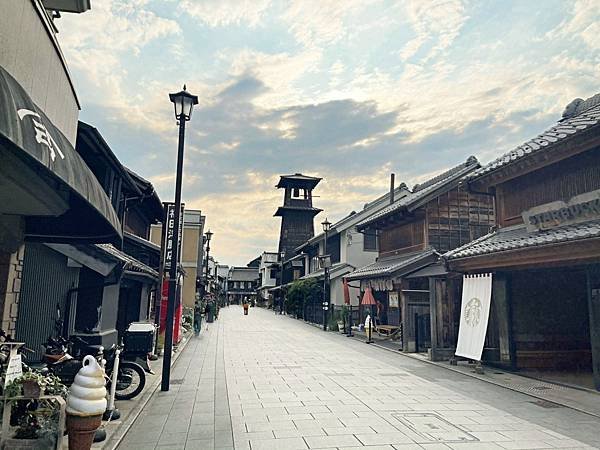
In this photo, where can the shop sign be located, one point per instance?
(170, 230)
(581, 208)
(381, 284)
(393, 299)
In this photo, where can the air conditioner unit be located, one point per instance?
(71, 6)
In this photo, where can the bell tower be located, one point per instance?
(297, 212)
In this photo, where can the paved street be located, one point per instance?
(270, 382)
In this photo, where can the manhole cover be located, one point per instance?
(432, 428)
(177, 381)
(545, 404)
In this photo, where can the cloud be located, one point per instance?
(221, 13)
(348, 91)
(582, 23)
(435, 22)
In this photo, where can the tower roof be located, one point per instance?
(282, 210)
(297, 180)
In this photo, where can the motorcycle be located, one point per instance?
(64, 358)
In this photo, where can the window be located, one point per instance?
(370, 241)
(273, 273)
(236, 284)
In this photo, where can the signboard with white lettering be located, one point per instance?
(15, 366)
(393, 299)
(170, 232)
(581, 208)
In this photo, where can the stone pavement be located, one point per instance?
(272, 382)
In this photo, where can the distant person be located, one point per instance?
(197, 318)
(245, 305)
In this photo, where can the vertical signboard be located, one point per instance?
(170, 232)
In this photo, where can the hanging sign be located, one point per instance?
(378, 284)
(474, 315)
(393, 299)
(581, 208)
(170, 233)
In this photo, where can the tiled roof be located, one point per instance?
(390, 266)
(560, 132)
(517, 237)
(334, 271)
(129, 262)
(422, 190)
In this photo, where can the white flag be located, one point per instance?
(474, 315)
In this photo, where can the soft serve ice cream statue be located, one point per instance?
(86, 404)
(87, 394)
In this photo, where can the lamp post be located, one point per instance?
(281, 258)
(184, 103)
(326, 228)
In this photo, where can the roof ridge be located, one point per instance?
(448, 173)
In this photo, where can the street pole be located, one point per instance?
(184, 103)
(166, 368)
(325, 273)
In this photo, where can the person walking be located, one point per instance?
(197, 317)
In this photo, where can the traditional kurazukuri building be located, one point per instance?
(544, 257)
(416, 297)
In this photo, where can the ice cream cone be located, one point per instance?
(81, 430)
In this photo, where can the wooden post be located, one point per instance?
(593, 289)
(434, 313)
(502, 308)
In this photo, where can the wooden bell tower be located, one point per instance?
(297, 212)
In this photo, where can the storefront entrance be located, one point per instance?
(551, 324)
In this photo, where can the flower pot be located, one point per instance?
(31, 389)
(341, 327)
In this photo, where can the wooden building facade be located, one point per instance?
(545, 254)
(413, 291)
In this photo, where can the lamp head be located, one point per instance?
(184, 103)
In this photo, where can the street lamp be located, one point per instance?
(281, 258)
(326, 228)
(184, 103)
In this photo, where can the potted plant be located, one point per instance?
(35, 422)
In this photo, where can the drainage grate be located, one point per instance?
(429, 427)
(177, 381)
(546, 404)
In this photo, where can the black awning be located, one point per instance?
(28, 138)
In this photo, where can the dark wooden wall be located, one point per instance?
(409, 236)
(456, 218)
(560, 181)
(452, 219)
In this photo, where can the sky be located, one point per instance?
(347, 90)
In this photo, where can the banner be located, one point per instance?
(474, 315)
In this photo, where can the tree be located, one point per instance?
(302, 293)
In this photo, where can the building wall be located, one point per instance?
(11, 275)
(559, 181)
(47, 279)
(31, 54)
